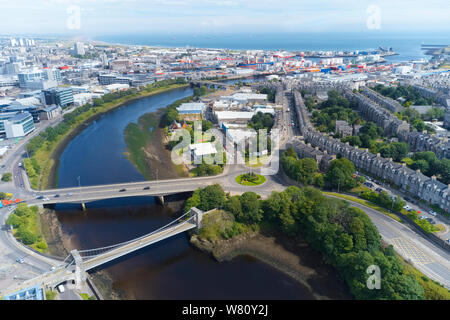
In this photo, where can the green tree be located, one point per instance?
(251, 212)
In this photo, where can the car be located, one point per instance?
(448, 240)
(147, 188)
(70, 194)
(433, 213)
(407, 199)
(52, 268)
(61, 288)
(407, 208)
(20, 260)
(46, 199)
(378, 189)
(122, 190)
(56, 195)
(421, 217)
(40, 197)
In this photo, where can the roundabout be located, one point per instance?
(250, 179)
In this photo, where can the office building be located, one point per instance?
(59, 96)
(19, 125)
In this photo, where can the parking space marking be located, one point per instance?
(407, 249)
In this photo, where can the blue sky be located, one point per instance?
(98, 17)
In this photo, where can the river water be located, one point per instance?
(170, 269)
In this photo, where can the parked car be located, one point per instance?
(407, 208)
(20, 260)
(61, 288)
(378, 189)
(433, 213)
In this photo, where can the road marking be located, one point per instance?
(409, 250)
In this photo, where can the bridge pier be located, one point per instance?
(160, 200)
(83, 206)
(80, 272)
(198, 218)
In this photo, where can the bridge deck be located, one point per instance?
(136, 245)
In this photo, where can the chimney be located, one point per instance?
(424, 131)
(308, 144)
(325, 152)
(378, 155)
(390, 159)
(418, 170)
(317, 148)
(367, 150)
(433, 178)
(347, 143)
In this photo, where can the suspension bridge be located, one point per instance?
(75, 266)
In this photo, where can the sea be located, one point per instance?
(407, 45)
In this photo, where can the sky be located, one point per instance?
(107, 17)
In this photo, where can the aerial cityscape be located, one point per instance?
(149, 153)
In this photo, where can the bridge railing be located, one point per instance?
(92, 253)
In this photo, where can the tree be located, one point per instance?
(251, 212)
(340, 174)
(233, 205)
(211, 197)
(7, 177)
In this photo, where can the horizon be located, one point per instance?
(103, 17)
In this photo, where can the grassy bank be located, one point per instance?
(364, 203)
(46, 148)
(146, 147)
(26, 224)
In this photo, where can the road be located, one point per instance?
(438, 219)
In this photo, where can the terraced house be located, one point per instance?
(408, 180)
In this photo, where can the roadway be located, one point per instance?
(431, 260)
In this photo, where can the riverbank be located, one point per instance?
(291, 256)
(47, 155)
(147, 148)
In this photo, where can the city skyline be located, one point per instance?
(99, 17)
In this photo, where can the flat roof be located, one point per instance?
(234, 115)
(198, 106)
(201, 149)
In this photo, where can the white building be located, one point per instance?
(19, 125)
(199, 150)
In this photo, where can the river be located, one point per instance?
(171, 269)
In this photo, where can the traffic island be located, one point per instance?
(250, 179)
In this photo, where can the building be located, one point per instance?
(19, 125)
(106, 79)
(191, 108)
(39, 79)
(33, 110)
(343, 128)
(59, 96)
(32, 293)
(50, 112)
(447, 119)
(199, 150)
(79, 48)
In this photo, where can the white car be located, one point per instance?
(407, 208)
(433, 213)
(61, 288)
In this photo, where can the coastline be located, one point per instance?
(52, 180)
(292, 257)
